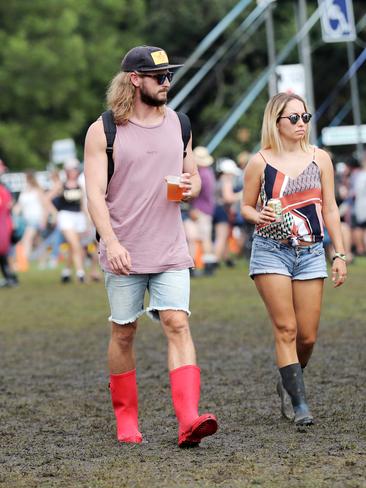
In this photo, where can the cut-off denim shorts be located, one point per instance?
(298, 262)
(168, 290)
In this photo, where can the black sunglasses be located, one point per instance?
(160, 78)
(294, 118)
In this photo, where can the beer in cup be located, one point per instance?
(174, 191)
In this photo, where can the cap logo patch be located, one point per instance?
(159, 57)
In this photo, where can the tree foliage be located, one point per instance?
(57, 57)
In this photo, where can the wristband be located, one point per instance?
(340, 256)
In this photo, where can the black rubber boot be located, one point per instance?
(286, 405)
(293, 382)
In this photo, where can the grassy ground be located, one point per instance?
(56, 422)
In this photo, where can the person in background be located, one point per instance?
(6, 227)
(54, 238)
(288, 260)
(243, 230)
(359, 188)
(68, 199)
(34, 208)
(88, 240)
(344, 204)
(143, 244)
(226, 197)
(358, 244)
(199, 224)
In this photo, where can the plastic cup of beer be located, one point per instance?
(174, 191)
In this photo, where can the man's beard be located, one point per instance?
(149, 100)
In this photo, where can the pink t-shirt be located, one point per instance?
(148, 225)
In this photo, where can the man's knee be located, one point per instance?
(175, 323)
(123, 335)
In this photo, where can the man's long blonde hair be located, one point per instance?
(121, 95)
(271, 138)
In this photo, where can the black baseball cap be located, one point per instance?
(147, 58)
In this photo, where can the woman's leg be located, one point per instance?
(276, 293)
(27, 240)
(358, 240)
(191, 235)
(76, 250)
(307, 299)
(222, 231)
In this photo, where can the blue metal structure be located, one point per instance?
(257, 86)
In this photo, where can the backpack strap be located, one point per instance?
(110, 134)
(185, 124)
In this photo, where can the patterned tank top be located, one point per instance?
(301, 200)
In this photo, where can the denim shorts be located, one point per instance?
(168, 290)
(297, 262)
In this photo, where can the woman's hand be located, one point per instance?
(339, 272)
(266, 215)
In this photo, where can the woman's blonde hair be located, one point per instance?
(271, 138)
(121, 97)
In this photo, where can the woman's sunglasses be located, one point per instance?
(294, 118)
(160, 78)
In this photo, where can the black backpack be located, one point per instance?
(110, 134)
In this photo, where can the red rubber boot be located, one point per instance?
(185, 384)
(124, 399)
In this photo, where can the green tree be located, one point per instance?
(230, 79)
(56, 58)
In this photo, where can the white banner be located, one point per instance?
(343, 135)
(291, 79)
(62, 150)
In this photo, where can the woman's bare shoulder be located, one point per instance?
(322, 158)
(256, 163)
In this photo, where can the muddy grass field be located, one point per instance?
(57, 425)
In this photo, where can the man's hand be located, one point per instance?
(186, 184)
(118, 257)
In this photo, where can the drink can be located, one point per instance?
(276, 205)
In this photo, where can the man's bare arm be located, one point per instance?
(190, 177)
(96, 180)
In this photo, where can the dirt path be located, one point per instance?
(56, 422)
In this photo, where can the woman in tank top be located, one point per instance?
(288, 262)
(68, 198)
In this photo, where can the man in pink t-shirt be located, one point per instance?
(142, 240)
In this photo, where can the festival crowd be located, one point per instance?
(51, 227)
